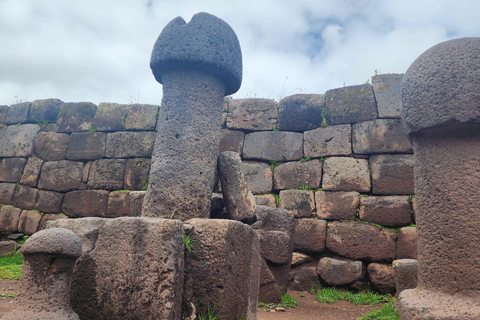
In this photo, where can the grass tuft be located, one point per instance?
(387, 312)
(11, 267)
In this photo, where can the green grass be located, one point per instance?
(387, 312)
(210, 314)
(331, 295)
(11, 267)
(189, 242)
(288, 301)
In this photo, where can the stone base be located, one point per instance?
(430, 305)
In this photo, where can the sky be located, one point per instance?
(99, 50)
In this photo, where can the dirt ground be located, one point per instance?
(308, 308)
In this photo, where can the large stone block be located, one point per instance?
(130, 144)
(388, 94)
(29, 221)
(380, 136)
(6, 192)
(300, 112)
(304, 277)
(31, 172)
(300, 202)
(406, 275)
(293, 175)
(346, 174)
(3, 113)
(229, 252)
(9, 217)
(310, 235)
(87, 146)
(231, 140)
(274, 219)
(382, 277)
(18, 113)
(61, 175)
(136, 173)
(357, 240)
(340, 271)
(258, 176)
(106, 174)
(142, 117)
(110, 117)
(44, 110)
(85, 203)
(275, 246)
(388, 211)
(329, 141)
(76, 116)
(392, 173)
(51, 146)
(25, 197)
(350, 104)
(125, 204)
(273, 145)
(407, 243)
(252, 114)
(49, 201)
(268, 200)
(336, 205)
(11, 169)
(18, 141)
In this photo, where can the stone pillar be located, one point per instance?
(44, 289)
(441, 113)
(198, 64)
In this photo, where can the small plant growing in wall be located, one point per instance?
(189, 242)
(324, 123)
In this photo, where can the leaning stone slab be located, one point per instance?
(382, 277)
(407, 243)
(392, 173)
(329, 141)
(300, 202)
(18, 140)
(110, 117)
(310, 235)
(44, 110)
(11, 169)
(300, 112)
(258, 176)
(340, 271)
(231, 140)
(357, 240)
(273, 145)
(6, 192)
(18, 113)
(31, 172)
(29, 221)
(9, 217)
(346, 174)
(294, 175)
(388, 211)
(388, 94)
(76, 117)
(25, 197)
(106, 174)
(141, 117)
(252, 114)
(51, 146)
(85, 203)
(127, 144)
(87, 146)
(336, 205)
(61, 175)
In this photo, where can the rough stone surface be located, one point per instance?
(252, 114)
(346, 174)
(300, 112)
(304, 277)
(124, 204)
(299, 258)
(350, 104)
(141, 117)
(110, 117)
(392, 173)
(18, 140)
(388, 211)
(407, 243)
(340, 271)
(28, 222)
(380, 136)
(266, 200)
(3, 113)
(51, 146)
(9, 217)
(18, 113)
(136, 173)
(130, 144)
(231, 140)
(273, 145)
(106, 174)
(274, 219)
(86, 228)
(61, 175)
(275, 246)
(229, 252)
(24, 197)
(7, 247)
(31, 172)
(329, 141)
(44, 110)
(382, 277)
(388, 94)
(49, 201)
(87, 146)
(406, 274)
(258, 176)
(310, 235)
(6, 192)
(54, 241)
(293, 175)
(239, 201)
(76, 116)
(357, 240)
(85, 203)
(336, 205)
(47, 217)
(300, 202)
(11, 169)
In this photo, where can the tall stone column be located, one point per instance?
(441, 113)
(198, 64)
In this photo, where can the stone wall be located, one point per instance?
(340, 161)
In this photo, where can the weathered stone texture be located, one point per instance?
(382, 277)
(407, 243)
(293, 175)
(340, 271)
(299, 258)
(267, 200)
(7, 248)
(252, 114)
(28, 222)
(6, 192)
(304, 277)
(406, 274)
(25, 197)
(300, 112)
(380, 136)
(87, 146)
(392, 173)
(388, 94)
(49, 201)
(110, 117)
(125, 204)
(136, 173)
(106, 174)
(346, 174)
(388, 211)
(275, 246)
(61, 175)
(31, 172)
(300, 202)
(130, 144)
(51, 146)
(18, 140)
(310, 235)
(44, 110)
(18, 113)
(141, 117)
(3, 113)
(258, 176)
(76, 116)
(11, 169)
(231, 140)
(357, 240)
(336, 205)
(273, 145)
(85, 203)
(9, 217)
(329, 141)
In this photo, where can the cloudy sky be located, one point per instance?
(99, 50)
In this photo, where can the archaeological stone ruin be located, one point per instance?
(162, 211)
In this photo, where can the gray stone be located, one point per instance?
(51, 146)
(336, 205)
(274, 219)
(31, 172)
(346, 174)
(9, 218)
(130, 144)
(275, 246)
(47, 217)
(340, 271)
(380, 136)
(76, 117)
(388, 211)
(18, 113)
(301, 112)
(304, 278)
(329, 141)
(87, 146)
(110, 117)
(392, 173)
(382, 277)
(25, 197)
(49, 201)
(407, 243)
(388, 94)
(258, 176)
(85, 203)
(267, 200)
(53, 241)
(273, 145)
(6, 192)
(28, 222)
(406, 274)
(231, 140)
(141, 117)
(18, 141)
(136, 173)
(294, 175)
(61, 175)
(45, 110)
(11, 169)
(252, 114)
(124, 204)
(239, 201)
(7, 248)
(310, 235)
(350, 104)
(3, 113)
(300, 202)
(106, 174)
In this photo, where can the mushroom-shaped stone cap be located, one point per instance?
(443, 86)
(206, 43)
(57, 241)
